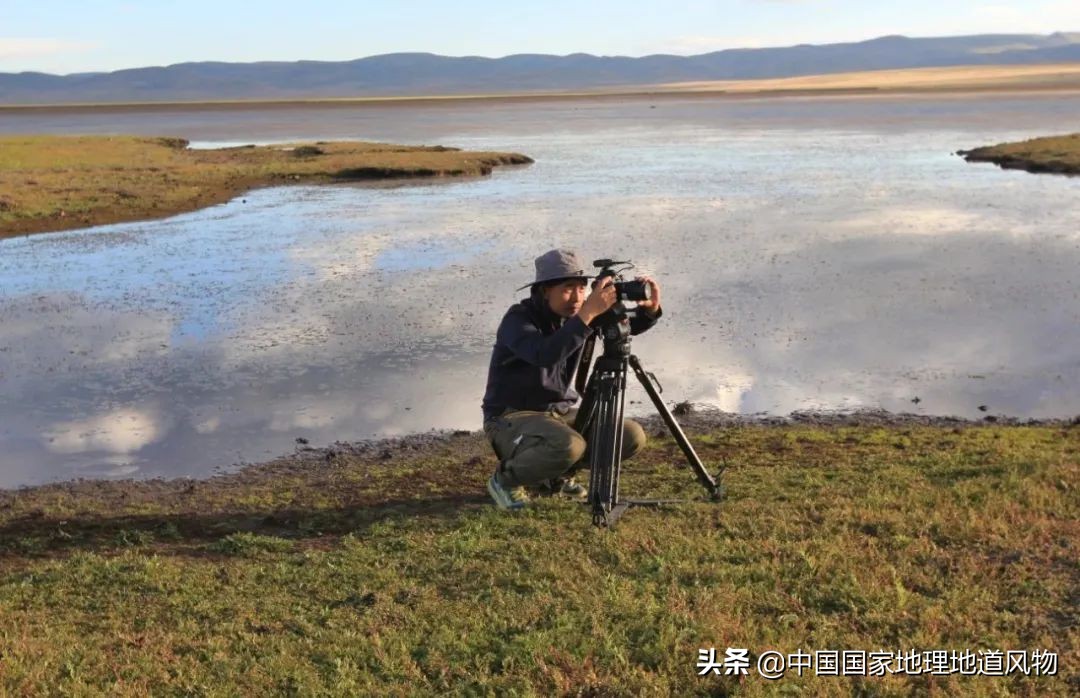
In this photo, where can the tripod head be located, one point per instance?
(615, 331)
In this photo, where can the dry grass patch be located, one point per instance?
(1065, 76)
(387, 571)
(58, 182)
(1054, 154)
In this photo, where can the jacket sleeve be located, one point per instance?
(522, 337)
(641, 320)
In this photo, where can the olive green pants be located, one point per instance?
(539, 446)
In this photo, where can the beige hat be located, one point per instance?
(558, 264)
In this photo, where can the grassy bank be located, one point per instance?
(1054, 154)
(50, 183)
(384, 570)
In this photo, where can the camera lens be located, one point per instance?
(632, 291)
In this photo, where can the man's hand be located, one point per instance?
(652, 306)
(599, 301)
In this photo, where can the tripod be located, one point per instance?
(600, 420)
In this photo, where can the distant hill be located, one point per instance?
(411, 74)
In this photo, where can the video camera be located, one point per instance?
(624, 290)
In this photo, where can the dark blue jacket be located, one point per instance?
(535, 356)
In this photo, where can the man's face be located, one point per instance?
(565, 298)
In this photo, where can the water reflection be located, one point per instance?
(845, 264)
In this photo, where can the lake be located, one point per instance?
(813, 253)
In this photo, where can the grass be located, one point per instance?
(1055, 154)
(388, 572)
(52, 183)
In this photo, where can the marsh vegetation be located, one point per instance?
(62, 182)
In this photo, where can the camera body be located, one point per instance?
(624, 290)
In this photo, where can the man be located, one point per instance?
(527, 405)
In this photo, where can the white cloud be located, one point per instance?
(121, 431)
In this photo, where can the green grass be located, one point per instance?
(1054, 154)
(347, 574)
(59, 182)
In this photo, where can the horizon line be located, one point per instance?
(1073, 34)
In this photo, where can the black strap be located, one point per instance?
(584, 363)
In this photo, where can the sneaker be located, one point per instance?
(507, 498)
(566, 487)
(571, 488)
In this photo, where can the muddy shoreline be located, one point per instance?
(1027, 164)
(472, 449)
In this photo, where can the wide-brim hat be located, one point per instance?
(556, 265)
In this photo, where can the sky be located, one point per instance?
(62, 37)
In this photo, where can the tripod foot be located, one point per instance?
(608, 518)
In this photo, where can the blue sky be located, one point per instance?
(65, 37)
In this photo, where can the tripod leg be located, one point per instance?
(587, 411)
(706, 480)
(605, 438)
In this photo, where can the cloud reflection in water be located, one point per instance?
(802, 267)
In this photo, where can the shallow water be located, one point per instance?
(813, 253)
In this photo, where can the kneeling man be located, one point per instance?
(527, 406)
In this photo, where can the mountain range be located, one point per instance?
(414, 74)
